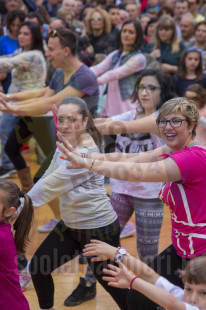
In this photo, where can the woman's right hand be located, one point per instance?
(155, 54)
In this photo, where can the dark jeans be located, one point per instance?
(61, 246)
(43, 130)
(166, 264)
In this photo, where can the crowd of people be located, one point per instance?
(119, 87)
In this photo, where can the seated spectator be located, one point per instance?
(152, 5)
(55, 24)
(37, 18)
(133, 10)
(150, 30)
(180, 7)
(68, 15)
(144, 19)
(123, 16)
(71, 5)
(187, 27)
(113, 12)
(97, 42)
(52, 7)
(166, 49)
(166, 10)
(194, 10)
(190, 71)
(42, 11)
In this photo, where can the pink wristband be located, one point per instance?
(132, 282)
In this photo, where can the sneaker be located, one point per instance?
(48, 227)
(128, 230)
(81, 293)
(6, 173)
(82, 259)
(25, 277)
(24, 148)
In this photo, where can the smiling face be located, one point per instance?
(25, 38)
(176, 138)
(128, 36)
(192, 61)
(149, 94)
(195, 294)
(70, 123)
(56, 53)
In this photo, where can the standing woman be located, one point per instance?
(9, 43)
(166, 48)
(28, 72)
(85, 208)
(120, 68)
(181, 163)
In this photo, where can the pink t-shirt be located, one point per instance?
(11, 295)
(187, 202)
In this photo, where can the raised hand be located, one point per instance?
(118, 276)
(101, 250)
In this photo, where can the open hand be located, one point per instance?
(118, 276)
(101, 250)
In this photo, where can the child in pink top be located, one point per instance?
(12, 200)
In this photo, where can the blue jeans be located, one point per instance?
(7, 123)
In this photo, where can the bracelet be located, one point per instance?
(84, 155)
(92, 164)
(120, 254)
(130, 286)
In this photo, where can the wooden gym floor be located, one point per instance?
(66, 278)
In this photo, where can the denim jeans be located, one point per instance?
(7, 123)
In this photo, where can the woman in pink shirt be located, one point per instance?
(181, 163)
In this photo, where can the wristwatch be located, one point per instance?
(120, 254)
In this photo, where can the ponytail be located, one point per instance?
(23, 225)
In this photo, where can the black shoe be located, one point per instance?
(6, 173)
(82, 259)
(81, 293)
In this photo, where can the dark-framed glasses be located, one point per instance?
(149, 88)
(174, 122)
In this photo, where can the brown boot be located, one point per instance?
(26, 179)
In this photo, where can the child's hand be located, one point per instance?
(118, 276)
(101, 250)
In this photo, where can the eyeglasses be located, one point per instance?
(174, 122)
(96, 18)
(55, 33)
(149, 88)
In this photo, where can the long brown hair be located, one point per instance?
(182, 67)
(11, 197)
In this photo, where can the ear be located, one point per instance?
(85, 121)
(9, 212)
(67, 51)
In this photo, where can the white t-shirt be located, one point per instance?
(176, 291)
(135, 143)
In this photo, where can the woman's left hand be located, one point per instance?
(77, 162)
(118, 276)
(101, 250)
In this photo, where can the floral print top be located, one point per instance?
(28, 70)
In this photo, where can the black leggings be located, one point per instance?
(166, 264)
(43, 130)
(61, 246)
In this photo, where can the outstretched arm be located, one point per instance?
(158, 171)
(121, 277)
(107, 126)
(43, 104)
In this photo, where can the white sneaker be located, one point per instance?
(48, 227)
(25, 277)
(128, 230)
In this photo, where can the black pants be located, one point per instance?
(61, 246)
(43, 130)
(166, 264)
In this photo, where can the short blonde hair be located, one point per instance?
(63, 12)
(167, 22)
(184, 106)
(104, 15)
